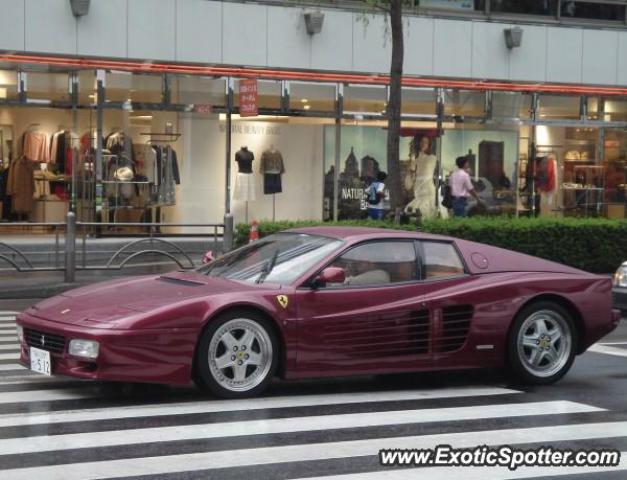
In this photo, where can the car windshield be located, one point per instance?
(280, 258)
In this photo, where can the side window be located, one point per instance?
(379, 263)
(441, 260)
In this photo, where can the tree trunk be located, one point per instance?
(394, 104)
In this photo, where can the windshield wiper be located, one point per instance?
(267, 268)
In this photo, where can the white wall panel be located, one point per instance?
(564, 54)
(418, 33)
(199, 31)
(245, 34)
(528, 62)
(600, 56)
(288, 40)
(372, 45)
(452, 52)
(622, 59)
(332, 48)
(50, 26)
(151, 29)
(12, 25)
(103, 32)
(490, 56)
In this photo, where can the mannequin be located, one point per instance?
(420, 178)
(272, 168)
(244, 182)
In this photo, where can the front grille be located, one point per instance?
(455, 327)
(51, 342)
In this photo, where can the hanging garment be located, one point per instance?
(169, 175)
(21, 185)
(36, 146)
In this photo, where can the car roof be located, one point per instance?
(365, 233)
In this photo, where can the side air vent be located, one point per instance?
(455, 327)
(180, 281)
(385, 335)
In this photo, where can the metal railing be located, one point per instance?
(121, 245)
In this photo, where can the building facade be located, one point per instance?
(140, 110)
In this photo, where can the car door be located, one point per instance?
(375, 321)
(447, 294)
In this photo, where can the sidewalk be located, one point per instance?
(25, 285)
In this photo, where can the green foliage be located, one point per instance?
(595, 245)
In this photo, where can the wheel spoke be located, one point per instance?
(229, 341)
(555, 334)
(541, 328)
(530, 341)
(551, 355)
(254, 359)
(247, 339)
(536, 357)
(224, 361)
(239, 373)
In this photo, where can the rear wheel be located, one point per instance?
(541, 343)
(237, 355)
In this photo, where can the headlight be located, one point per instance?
(84, 348)
(620, 277)
(20, 333)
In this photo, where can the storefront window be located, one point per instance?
(8, 85)
(454, 5)
(512, 105)
(268, 94)
(418, 101)
(593, 10)
(464, 103)
(370, 99)
(312, 96)
(126, 86)
(87, 87)
(48, 86)
(555, 107)
(615, 153)
(198, 91)
(527, 7)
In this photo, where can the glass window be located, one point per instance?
(559, 107)
(8, 85)
(527, 7)
(365, 98)
(454, 5)
(418, 101)
(48, 86)
(464, 102)
(308, 96)
(123, 86)
(87, 88)
(593, 10)
(379, 263)
(280, 258)
(441, 260)
(607, 109)
(511, 105)
(268, 94)
(197, 90)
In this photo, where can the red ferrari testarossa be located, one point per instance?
(325, 301)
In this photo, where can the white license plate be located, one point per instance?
(40, 361)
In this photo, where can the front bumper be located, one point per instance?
(619, 299)
(153, 356)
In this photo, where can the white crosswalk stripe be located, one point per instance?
(60, 428)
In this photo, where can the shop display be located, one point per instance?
(245, 182)
(272, 168)
(421, 177)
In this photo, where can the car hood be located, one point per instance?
(106, 302)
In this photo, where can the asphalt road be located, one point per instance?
(333, 429)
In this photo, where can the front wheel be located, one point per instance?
(237, 355)
(541, 343)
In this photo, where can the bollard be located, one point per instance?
(227, 238)
(70, 247)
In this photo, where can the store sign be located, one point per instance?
(203, 108)
(449, 4)
(248, 98)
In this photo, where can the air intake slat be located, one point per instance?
(455, 327)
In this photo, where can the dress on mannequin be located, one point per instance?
(245, 182)
(272, 168)
(423, 167)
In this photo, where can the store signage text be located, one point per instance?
(248, 99)
(252, 129)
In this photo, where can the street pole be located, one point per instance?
(70, 247)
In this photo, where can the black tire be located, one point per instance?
(222, 382)
(521, 365)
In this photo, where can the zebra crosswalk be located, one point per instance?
(58, 428)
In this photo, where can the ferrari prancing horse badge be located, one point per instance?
(283, 300)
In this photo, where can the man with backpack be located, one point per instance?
(375, 194)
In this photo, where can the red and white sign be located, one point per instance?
(248, 99)
(203, 108)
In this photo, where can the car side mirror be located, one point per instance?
(330, 275)
(208, 257)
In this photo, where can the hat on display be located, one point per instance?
(124, 174)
